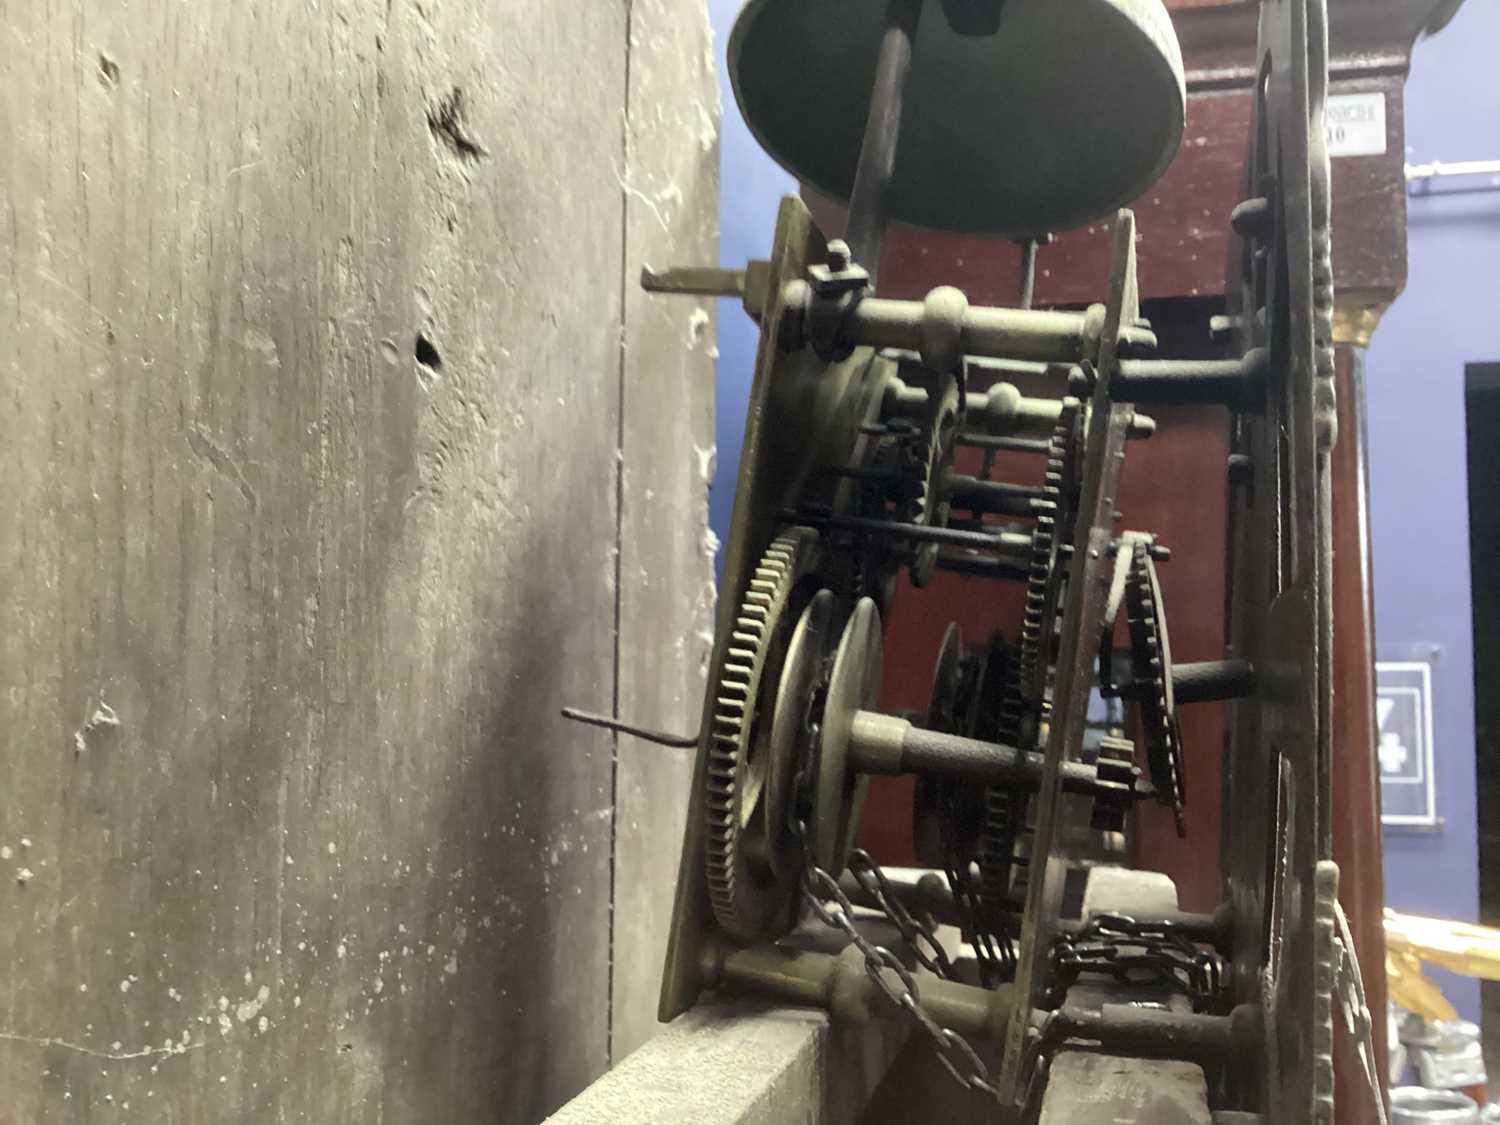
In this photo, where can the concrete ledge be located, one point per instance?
(737, 1064)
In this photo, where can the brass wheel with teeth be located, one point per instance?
(1151, 666)
(1005, 837)
(931, 505)
(749, 885)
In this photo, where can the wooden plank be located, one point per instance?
(1184, 217)
(739, 1063)
(1089, 1089)
(292, 829)
(666, 592)
(1184, 223)
(1356, 771)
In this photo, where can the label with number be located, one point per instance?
(1356, 124)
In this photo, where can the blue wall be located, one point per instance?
(1449, 315)
(752, 187)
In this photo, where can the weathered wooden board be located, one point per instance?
(312, 324)
(666, 556)
(728, 1063)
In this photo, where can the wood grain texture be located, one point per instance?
(291, 828)
(1184, 223)
(667, 592)
(1183, 218)
(1357, 843)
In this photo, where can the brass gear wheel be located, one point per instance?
(1003, 843)
(1004, 813)
(749, 897)
(1151, 670)
(931, 506)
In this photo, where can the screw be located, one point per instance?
(838, 255)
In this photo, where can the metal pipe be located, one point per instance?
(697, 281)
(1005, 443)
(1206, 680)
(887, 744)
(1203, 681)
(926, 896)
(865, 232)
(1028, 272)
(1147, 1032)
(1440, 168)
(1008, 544)
(983, 365)
(1028, 334)
(832, 321)
(1228, 382)
(1421, 178)
(1001, 408)
(993, 497)
(983, 567)
(839, 984)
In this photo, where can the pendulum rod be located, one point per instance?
(877, 154)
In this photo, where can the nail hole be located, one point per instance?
(109, 70)
(427, 353)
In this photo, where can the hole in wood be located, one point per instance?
(427, 353)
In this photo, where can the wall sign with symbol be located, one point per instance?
(1403, 712)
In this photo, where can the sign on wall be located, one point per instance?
(1403, 712)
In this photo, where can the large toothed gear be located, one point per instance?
(931, 505)
(1151, 668)
(1003, 840)
(749, 895)
(1004, 816)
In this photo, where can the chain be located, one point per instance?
(915, 935)
(978, 920)
(992, 947)
(1135, 952)
(896, 982)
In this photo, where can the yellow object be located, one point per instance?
(1460, 947)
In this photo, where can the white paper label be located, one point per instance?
(1356, 124)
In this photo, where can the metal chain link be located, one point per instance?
(896, 982)
(960, 1060)
(917, 937)
(1134, 951)
(992, 947)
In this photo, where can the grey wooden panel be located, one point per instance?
(728, 1063)
(1090, 1089)
(290, 828)
(666, 562)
